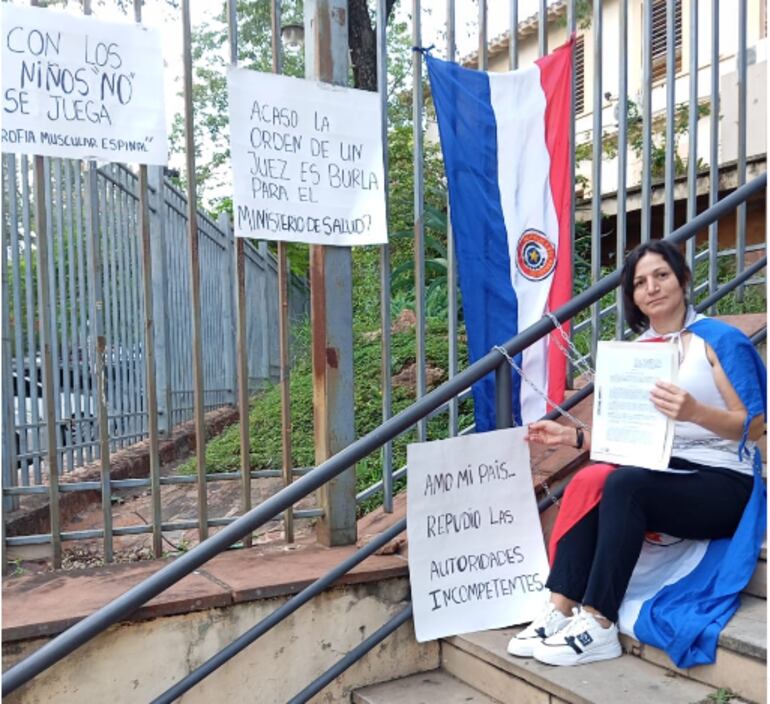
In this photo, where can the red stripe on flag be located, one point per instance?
(556, 81)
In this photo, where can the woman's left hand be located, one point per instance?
(673, 402)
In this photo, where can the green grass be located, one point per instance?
(223, 452)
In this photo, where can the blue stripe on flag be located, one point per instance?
(469, 142)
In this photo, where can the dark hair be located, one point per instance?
(635, 318)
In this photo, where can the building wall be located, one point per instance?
(728, 45)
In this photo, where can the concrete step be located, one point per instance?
(758, 584)
(480, 660)
(425, 688)
(741, 663)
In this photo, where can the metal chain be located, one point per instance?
(547, 489)
(578, 423)
(573, 355)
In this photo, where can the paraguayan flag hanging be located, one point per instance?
(505, 140)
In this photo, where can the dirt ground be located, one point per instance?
(132, 507)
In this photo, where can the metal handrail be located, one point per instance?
(384, 631)
(127, 603)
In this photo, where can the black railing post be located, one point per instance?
(503, 401)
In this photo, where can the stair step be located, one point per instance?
(480, 660)
(424, 688)
(758, 585)
(741, 663)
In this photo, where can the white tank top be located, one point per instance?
(693, 442)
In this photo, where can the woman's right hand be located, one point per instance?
(549, 432)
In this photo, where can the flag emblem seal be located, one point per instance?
(535, 255)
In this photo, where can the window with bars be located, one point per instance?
(579, 76)
(658, 39)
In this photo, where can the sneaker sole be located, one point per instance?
(566, 659)
(523, 648)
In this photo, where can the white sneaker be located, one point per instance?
(548, 622)
(582, 640)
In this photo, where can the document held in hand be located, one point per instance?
(627, 428)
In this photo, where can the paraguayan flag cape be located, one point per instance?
(682, 594)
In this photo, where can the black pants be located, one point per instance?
(595, 559)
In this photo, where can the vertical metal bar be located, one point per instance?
(46, 344)
(53, 415)
(513, 44)
(20, 366)
(109, 249)
(229, 366)
(89, 429)
(58, 253)
(714, 148)
(646, 214)
(620, 245)
(503, 396)
(31, 295)
(123, 274)
(149, 343)
(241, 339)
(670, 171)
(283, 316)
(9, 473)
(385, 340)
(73, 352)
(97, 311)
(195, 294)
(162, 311)
(692, 158)
(132, 234)
(327, 59)
(451, 254)
(419, 205)
(107, 254)
(740, 242)
(542, 29)
(139, 341)
(596, 173)
(483, 44)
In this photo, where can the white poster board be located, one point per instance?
(627, 429)
(476, 554)
(79, 88)
(307, 160)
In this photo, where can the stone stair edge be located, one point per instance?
(629, 679)
(431, 686)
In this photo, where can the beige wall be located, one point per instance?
(135, 662)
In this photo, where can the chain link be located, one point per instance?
(578, 423)
(573, 355)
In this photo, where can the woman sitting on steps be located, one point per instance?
(606, 511)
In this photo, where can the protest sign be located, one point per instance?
(476, 554)
(307, 160)
(79, 88)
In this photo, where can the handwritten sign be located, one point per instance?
(79, 88)
(307, 160)
(476, 553)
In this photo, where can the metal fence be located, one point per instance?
(71, 271)
(707, 52)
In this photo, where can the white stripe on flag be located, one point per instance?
(524, 167)
(658, 566)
